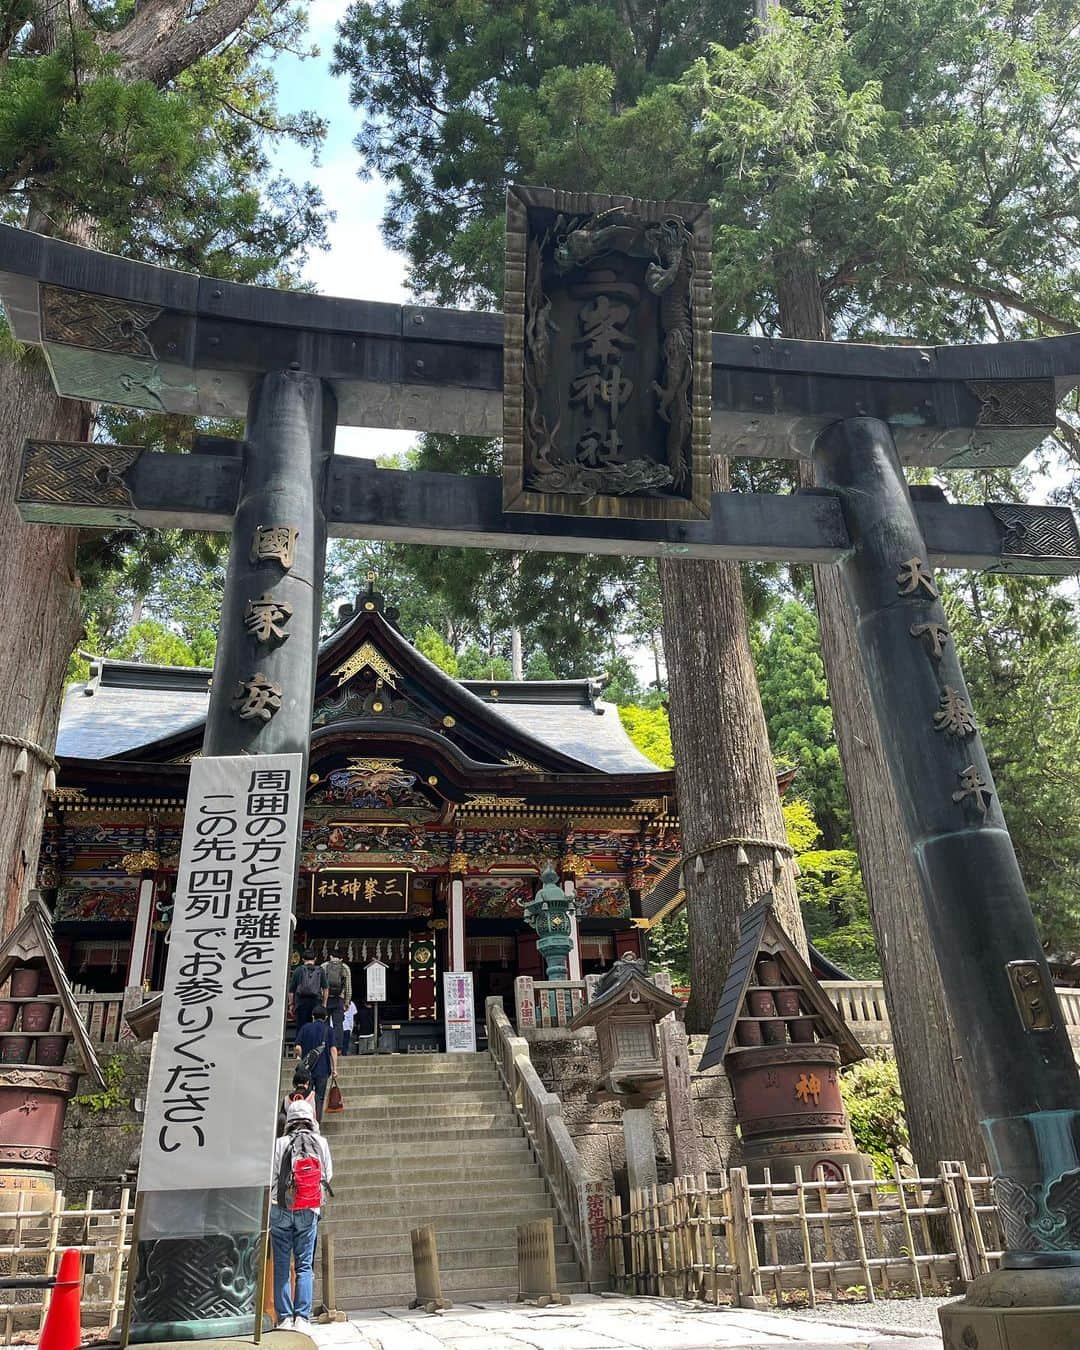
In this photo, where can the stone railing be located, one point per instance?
(548, 1005)
(581, 1202)
(861, 1003)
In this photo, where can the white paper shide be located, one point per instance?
(212, 1101)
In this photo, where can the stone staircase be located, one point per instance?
(431, 1139)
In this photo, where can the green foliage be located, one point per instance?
(650, 731)
(871, 1093)
(835, 910)
(476, 664)
(151, 642)
(794, 696)
(1019, 643)
(669, 946)
(799, 824)
(112, 1095)
(430, 644)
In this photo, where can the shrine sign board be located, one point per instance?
(375, 982)
(369, 890)
(459, 1012)
(211, 1102)
(607, 356)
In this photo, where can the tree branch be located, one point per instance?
(1003, 296)
(157, 46)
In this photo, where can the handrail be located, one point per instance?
(579, 1200)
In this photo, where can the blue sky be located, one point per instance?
(358, 264)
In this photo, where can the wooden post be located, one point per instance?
(748, 1291)
(537, 1274)
(425, 1257)
(682, 1129)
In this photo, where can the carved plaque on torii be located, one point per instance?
(607, 356)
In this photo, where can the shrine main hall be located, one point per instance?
(432, 806)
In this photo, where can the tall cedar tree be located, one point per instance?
(140, 129)
(874, 168)
(455, 98)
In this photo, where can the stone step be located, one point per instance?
(359, 1066)
(461, 1147)
(461, 1170)
(447, 1238)
(474, 1259)
(464, 1212)
(382, 1104)
(459, 1285)
(410, 1196)
(424, 1208)
(467, 1127)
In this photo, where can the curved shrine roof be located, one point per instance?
(149, 712)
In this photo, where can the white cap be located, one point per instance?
(302, 1110)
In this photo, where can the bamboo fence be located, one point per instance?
(34, 1238)
(726, 1239)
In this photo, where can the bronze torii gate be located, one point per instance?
(602, 295)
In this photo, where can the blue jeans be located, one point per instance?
(292, 1236)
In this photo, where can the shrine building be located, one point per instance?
(432, 806)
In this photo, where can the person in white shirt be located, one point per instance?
(302, 1167)
(347, 1027)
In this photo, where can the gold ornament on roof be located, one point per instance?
(459, 862)
(572, 864)
(491, 799)
(519, 762)
(367, 654)
(145, 861)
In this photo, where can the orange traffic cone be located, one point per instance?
(62, 1329)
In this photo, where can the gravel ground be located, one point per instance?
(893, 1314)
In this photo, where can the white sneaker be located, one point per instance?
(286, 1324)
(301, 1324)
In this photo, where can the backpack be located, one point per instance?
(300, 1179)
(335, 976)
(313, 1056)
(309, 982)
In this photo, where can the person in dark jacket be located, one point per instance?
(315, 1047)
(307, 989)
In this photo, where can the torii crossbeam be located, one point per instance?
(296, 365)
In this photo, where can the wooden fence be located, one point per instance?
(803, 1241)
(33, 1239)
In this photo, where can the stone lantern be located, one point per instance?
(625, 1011)
(548, 913)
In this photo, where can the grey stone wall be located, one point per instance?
(100, 1147)
(569, 1065)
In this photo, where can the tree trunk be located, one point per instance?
(940, 1111)
(724, 769)
(39, 602)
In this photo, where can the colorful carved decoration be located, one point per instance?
(105, 899)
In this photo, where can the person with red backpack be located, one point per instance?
(302, 1169)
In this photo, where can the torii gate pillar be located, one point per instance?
(213, 1097)
(1020, 1064)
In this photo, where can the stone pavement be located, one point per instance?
(605, 1322)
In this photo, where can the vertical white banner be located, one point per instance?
(458, 1011)
(211, 1111)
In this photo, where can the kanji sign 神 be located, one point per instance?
(211, 1099)
(343, 890)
